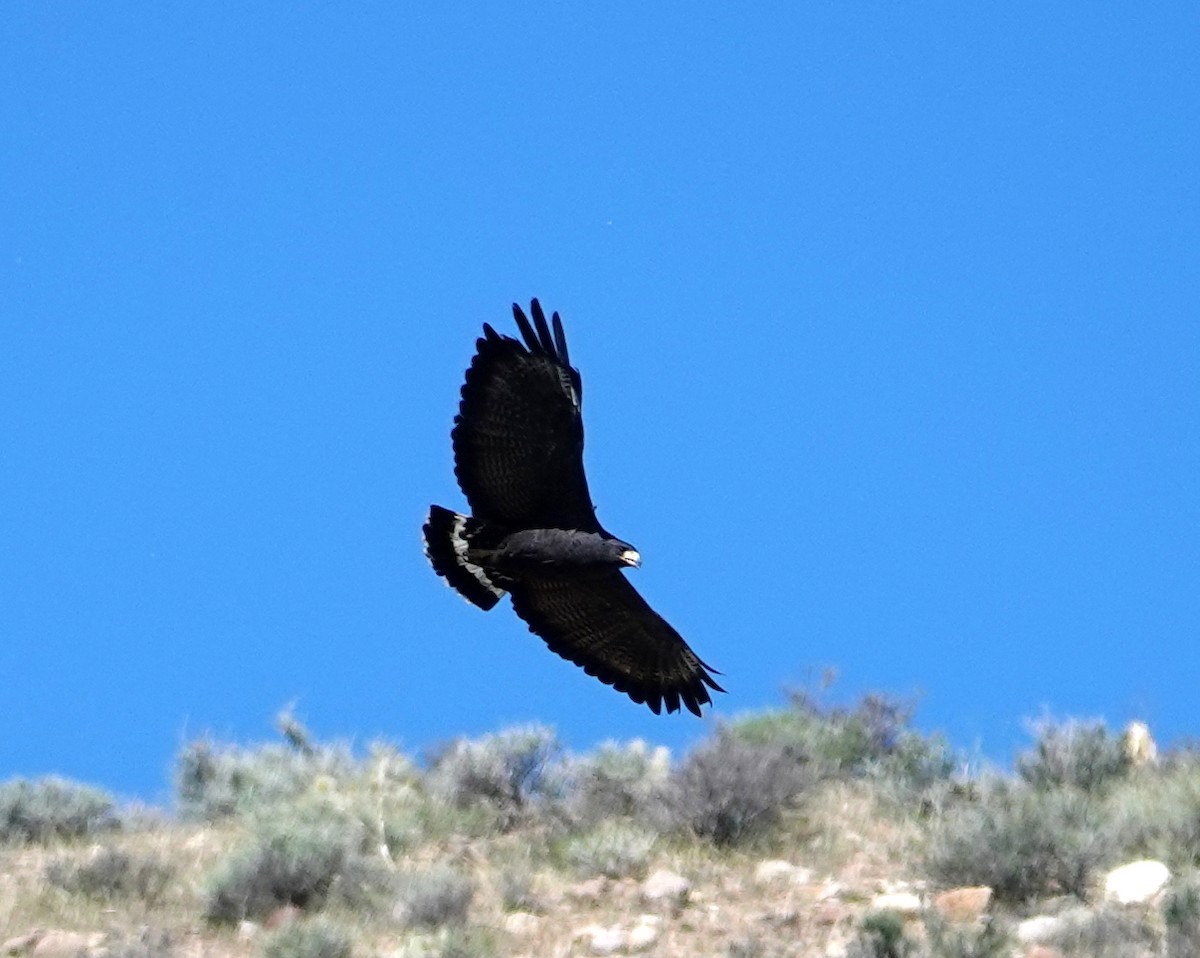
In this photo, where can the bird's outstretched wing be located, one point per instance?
(518, 435)
(602, 624)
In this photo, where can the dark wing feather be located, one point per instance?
(518, 436)
(602, 624)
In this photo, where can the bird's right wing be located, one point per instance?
(602, 624)
(518, 436)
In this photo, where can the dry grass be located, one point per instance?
(451, 858)
(725, 904)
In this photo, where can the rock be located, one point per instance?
(903, 903)
(522, 924)
(1136, 883)
(1040, 929)
(247, 930)
(644, 934)
(963, 905)
(66, 944)
(1139, 746)
(776, 871)
(1043, 951)
(837, 947)
(22, 943)
(602, 940)
(666, 887)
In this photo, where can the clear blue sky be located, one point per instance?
(888, 317)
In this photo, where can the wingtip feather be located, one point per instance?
(527, 333)
(543, 330)
(560, 340)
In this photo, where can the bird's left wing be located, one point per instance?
(603, 625)
(518, 436)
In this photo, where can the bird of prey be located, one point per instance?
(533, 532)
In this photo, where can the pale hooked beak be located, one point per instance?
(631, 557)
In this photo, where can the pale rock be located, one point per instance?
(1136, 883)
(522, 924)
(1040, 928)
(645, 933)
(602, 940)
(1139, 745)
(837, 948)
(247, 930)
(963, 905)
(666, 886)
(66, 944)
(776, 871)
(903, 903)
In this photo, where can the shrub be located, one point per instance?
(1023, 842)
(1181, 915)
(1082, 755)
(111, 874)
(52, 808)
(729, 790)
(618, 781)
(613, 849)
(873, 738)
(1106, 933)
(1157, 814)
(947, 940)
(882, 936)
(435, 896)
(509, 772)
(517, 889)
(457, 941)
(295, 861)
(308, 939)
(214, 782)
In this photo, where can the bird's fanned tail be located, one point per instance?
(447, 538)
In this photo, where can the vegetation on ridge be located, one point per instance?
(310, 850)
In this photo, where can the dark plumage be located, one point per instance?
(533, 532)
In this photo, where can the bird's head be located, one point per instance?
(628, 555)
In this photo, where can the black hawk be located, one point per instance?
(533, 532)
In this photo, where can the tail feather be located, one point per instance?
(447, 537)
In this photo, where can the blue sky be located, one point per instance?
(887, 316)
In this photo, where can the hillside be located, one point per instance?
(801, 831)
